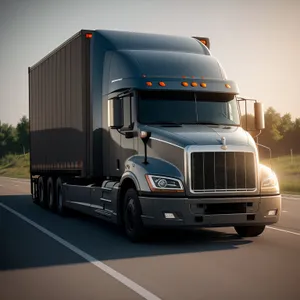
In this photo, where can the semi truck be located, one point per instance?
(144, 130)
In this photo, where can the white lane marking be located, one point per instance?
(284, 211)
(105, 268)
(283, 230)
(16, 185)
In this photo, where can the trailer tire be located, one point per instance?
(51, 194)
(133, 224)
(35, 192)
(60, 197)
(249, 231)
(42, 191)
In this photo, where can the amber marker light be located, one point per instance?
(203, 84)
(194, 84)
(88, 35)
(184, 83)
(227, 86)
(149, 83)
(161, 83)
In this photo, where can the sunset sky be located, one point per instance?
(257, 42)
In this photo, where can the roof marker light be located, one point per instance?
(203, 84)
(161, 83)
(227, 86)
(184, 83)
(88, 35)
(149, 83)
(194, 84)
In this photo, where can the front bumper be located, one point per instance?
(210, 212)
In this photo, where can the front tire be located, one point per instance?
(249, 231)
(134, 227)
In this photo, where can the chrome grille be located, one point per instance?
(226, 171)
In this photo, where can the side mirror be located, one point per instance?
(115, 113)
(259, 116)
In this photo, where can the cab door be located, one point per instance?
(128, 145)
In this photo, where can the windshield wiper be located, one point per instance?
(168, 123)
(207, 123)
(212, 123)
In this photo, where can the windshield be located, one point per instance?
(156, 107)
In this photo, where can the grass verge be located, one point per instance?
(16, 166)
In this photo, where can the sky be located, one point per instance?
(257, 42)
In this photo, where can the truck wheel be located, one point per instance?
(249, 231)
(35, 194)
(132, 216)
(42, 191)
(51, 195)
(59, 197)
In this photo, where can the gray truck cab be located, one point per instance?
(175, 139)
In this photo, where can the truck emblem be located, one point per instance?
(223, 140)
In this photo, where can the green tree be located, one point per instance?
(7, 139)
(22, 131)
(286, 124)
(273, 123)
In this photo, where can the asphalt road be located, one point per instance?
(45, 256)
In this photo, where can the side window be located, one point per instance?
(127, 111)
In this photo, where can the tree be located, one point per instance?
(286, 124)
(7, 139)
(23, 134)
(273, 123)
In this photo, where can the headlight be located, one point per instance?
(164, 184)
(269, 181)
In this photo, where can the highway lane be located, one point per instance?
(202, 264)
(290, 218)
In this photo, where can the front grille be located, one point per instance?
(227, 171)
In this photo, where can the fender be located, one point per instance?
(136, 169)
(132, 176)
